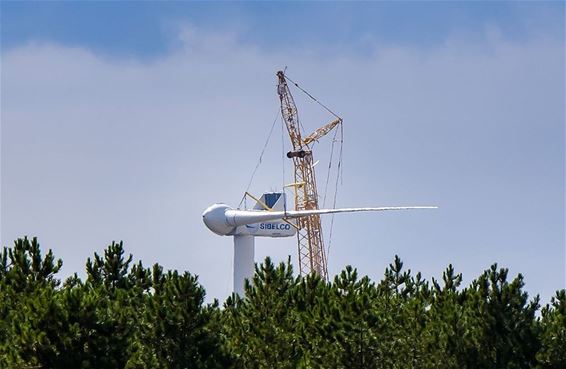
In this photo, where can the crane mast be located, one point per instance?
(312, 257)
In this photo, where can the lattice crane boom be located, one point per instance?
(322, 131)
(312, 256)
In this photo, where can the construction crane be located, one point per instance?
(270, 216)
(312, 257)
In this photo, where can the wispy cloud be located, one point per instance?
(96, 149)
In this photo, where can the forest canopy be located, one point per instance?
(126, 315)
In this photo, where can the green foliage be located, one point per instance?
(553, 336)
(124, 315)
(121, 316)
(172, 330)
(30, 314)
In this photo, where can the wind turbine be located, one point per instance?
(269, 218)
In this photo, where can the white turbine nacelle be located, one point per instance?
(259, 222)
(225, 221)
(245, 225)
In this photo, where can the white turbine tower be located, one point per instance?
(269, 218)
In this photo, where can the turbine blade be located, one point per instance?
(238, 218)
(302, 213)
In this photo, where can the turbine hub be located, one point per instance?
(214, 217)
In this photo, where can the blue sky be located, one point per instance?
(124, 121)
(145, 29)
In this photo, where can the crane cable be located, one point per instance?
(283, 157)
(311, 96)
(329, 169)
(338, 176)
(259, 160)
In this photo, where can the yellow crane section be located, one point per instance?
(322, 131)
(312, 256)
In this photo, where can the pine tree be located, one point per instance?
(552, 354)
